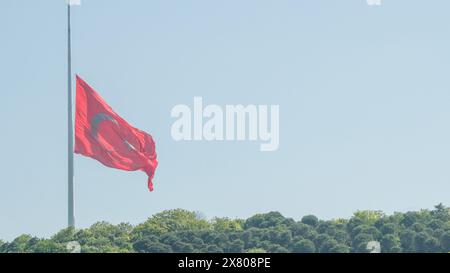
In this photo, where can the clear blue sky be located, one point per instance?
(364, 95)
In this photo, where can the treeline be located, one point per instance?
(184, 231)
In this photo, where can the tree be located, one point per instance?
(304, 246)
(329, 246)
(226, 224)
(432, 245)
(310, 220)
(409, 218)
(340, 248)
(389, 228)
(360, 242)
(170, 238)
(441, 213)
(418, 227)
(396, 249)
(171, 220)
(277, 249)
(390, 243)
(237, 246)
(435, 224)
(368, 217)
(329, 228)
(321, 239)
(221, 240)
(341, 237)
(445, 241)
(19, 245)
(437, 233)
(352, 224)
(271, 219)
(48, 246)
(419, 241)
(213, 249)
(149, 246)
(366, 229)
(426, 243)
(181, 247)
(303, 230)
(407, 240)
(284, 237)
(187, 232)
(100, 237)
(64, 235)
(247, 237)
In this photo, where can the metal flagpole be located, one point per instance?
(71, 217)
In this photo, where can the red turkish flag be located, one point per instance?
(103, 135)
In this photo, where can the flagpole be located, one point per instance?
(71, 217)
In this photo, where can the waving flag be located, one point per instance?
(103, 135)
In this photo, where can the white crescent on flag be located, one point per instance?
(74, 2)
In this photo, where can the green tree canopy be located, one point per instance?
(184, 231)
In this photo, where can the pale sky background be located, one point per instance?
(364, 95)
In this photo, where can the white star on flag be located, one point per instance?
(74, 2)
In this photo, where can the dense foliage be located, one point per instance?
(184, 231)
